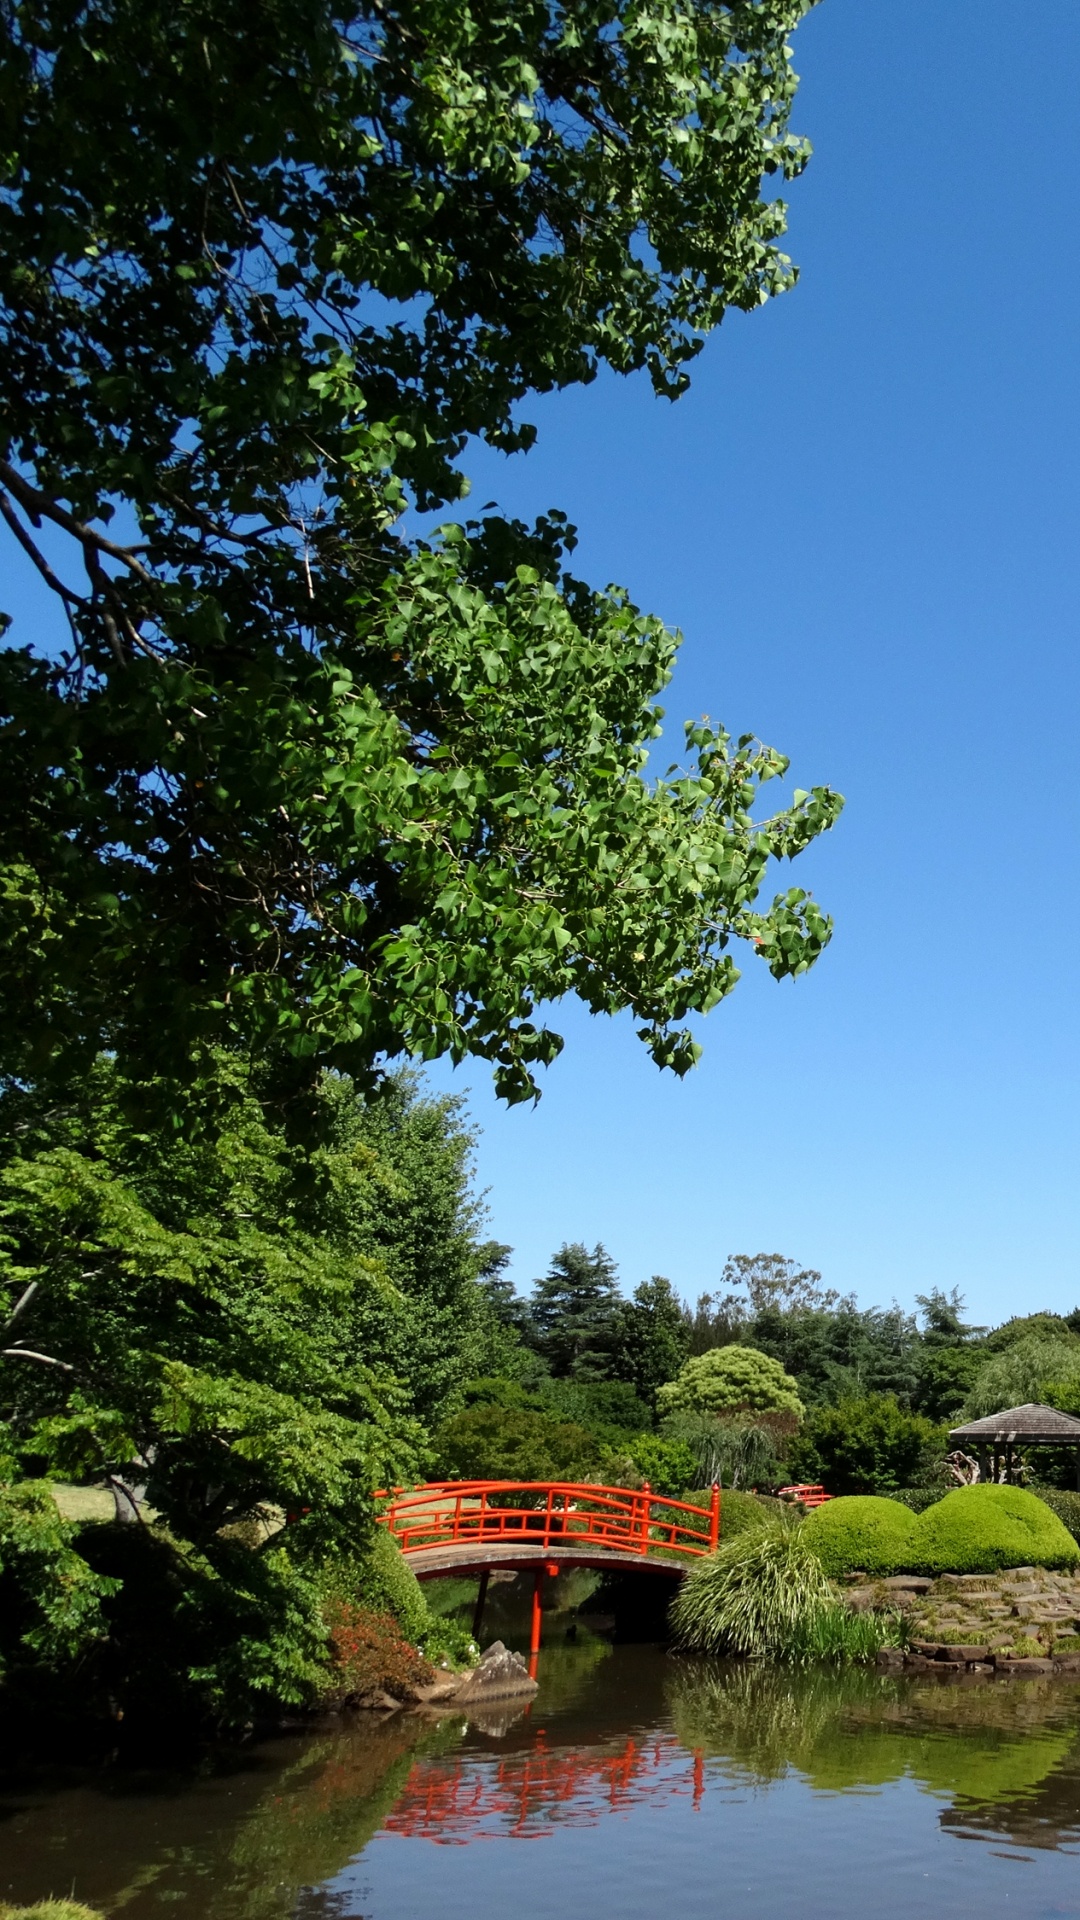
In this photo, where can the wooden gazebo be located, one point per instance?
(992, 1440)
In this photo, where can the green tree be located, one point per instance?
(866, 1445)
(291, 781)
(771, 1280)
(652, 1337)
(575, 1310)
(227, 1330)
(515, 1443)
(841, 1352)
(731, 1380)
(1021, 1373)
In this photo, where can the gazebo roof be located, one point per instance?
(1033, 1424)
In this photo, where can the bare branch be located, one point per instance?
(27, 1353)
(20, 1307)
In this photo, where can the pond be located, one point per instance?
(636, 1784)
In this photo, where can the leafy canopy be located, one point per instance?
(293, 780)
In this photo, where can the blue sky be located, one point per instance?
(863, 519)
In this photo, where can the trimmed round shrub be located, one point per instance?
(741, 1512)
(981, 1529)
(863, 1531)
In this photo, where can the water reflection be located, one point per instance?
(622, 1745)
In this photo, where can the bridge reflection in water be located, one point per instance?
(523, 1794)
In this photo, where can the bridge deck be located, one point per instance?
(462, 1556)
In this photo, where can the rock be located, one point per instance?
(379, 1701)
(500, 1675)
(1022, 1665)
(859, 1599)
(927, 1648)
(1067, 1663)
(440, 1690)
(894, 1657)
(964, 1654)
(907, 1583)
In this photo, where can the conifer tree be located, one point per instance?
(575, 1312)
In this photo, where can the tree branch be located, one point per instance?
(20, 1306)
(36, 502)
(27, 1353)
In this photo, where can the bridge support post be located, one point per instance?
(538, 1588)
(478, 1610)
(714, 1517)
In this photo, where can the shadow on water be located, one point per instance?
(621, 1740)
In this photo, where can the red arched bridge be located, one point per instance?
(478, 1526)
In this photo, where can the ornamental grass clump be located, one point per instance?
(766, 1595)
(51, 1910)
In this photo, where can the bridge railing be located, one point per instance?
(549, 1514)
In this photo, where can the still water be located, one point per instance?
(636, 1785)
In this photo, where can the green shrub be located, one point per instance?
(741, 1512)
(983, 1528)
(865, 1445)
(667, 1465)
(860, 1531)
(752, 1595)
(917, 1499)
(370, 1654)
(599, 1405)
(515, 1443)
(385, 1583)
(1065, 1504)
(729, 1380)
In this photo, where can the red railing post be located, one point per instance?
(547, 1517)
(646, 1502)
(714, 1518)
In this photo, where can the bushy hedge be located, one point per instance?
(387, 1584)
(982, 1529)
(918, 1498)
(869, 1444)
(1065, 1504)
(860, 1531)
(978, 1529)
(740, 1512)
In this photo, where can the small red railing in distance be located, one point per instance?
(810, 1496)
(450, 1513)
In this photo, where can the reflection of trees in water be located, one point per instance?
(994, 1749)
(320, 1813)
